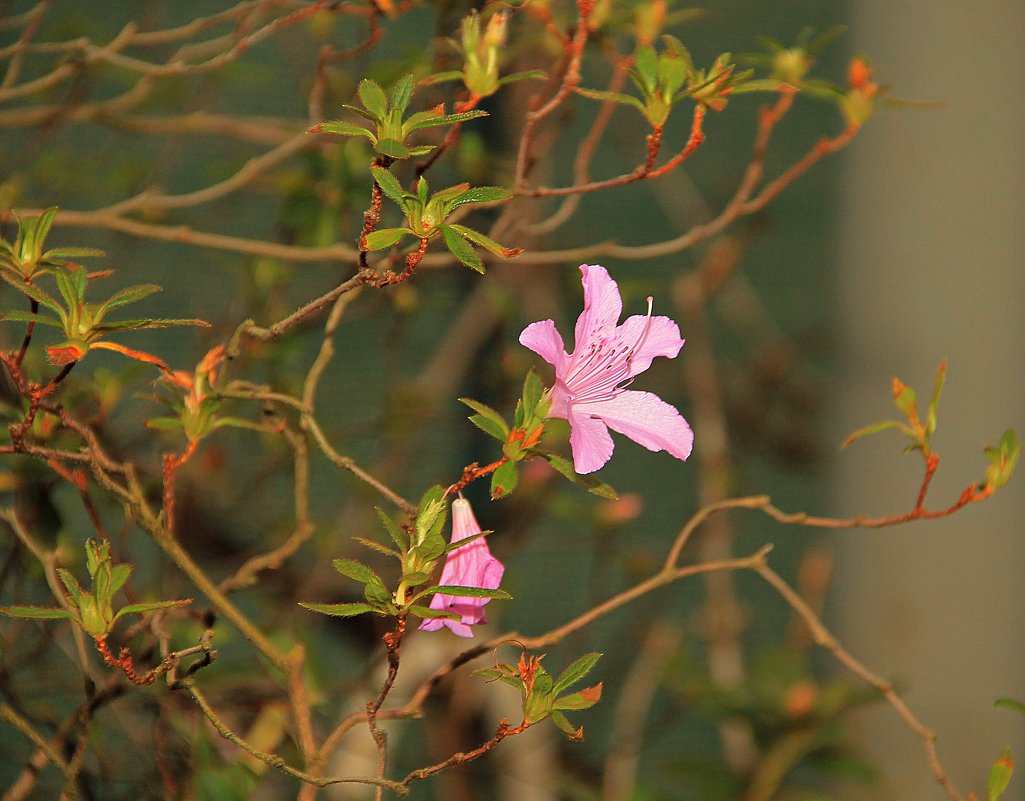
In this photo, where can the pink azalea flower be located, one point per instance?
(590, 383)
(472, 565)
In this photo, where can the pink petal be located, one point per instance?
(544, 339)
(589, 440)
(646, 419)
(602, 307)
(661, 339)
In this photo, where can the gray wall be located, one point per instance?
(933, 265)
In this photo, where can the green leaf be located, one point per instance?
(489, 426)
(580, 700)
(875, 428)
(485, 242)
(164, 423)
(461, 249)
(516, 77)
(59, 255)
(434, 120)
(588, 482)
(646, 64)
(341, 610)
(421, 150)
(393, 148)
(443, 77)
(1010, 703)
(397, 534)
(384, 238)
(35, 293)
(479, 194)
(374, 589)
(389, 184)
(533, 389)
(563, 723)
(29, 317)
(427, 613)
(71, 283)
(138, 609)
(504, 480)
(432, 513)
(118, 576)
(576, 671)
(37, 612)
(490, 414)
(467, 592)
(133, 325)
(376, 546)
(128, 295)
(357, 571)
(614, 97)
(36, 232)
(71, 584)
(373, 98)
(937, 390)
(344, 128)
(402, 93)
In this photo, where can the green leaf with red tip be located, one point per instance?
(459, 248)
(504, 480)
(584, 699)
(563, 723)
(384, 238)
(875, 428)
(486, 242)
(344, 129)
(1000, 775)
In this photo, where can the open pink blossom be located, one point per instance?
(590, 383)
(472, 565)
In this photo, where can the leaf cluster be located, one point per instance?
(426, 214)
(94, 610)
(666, 79)
(82, 323)
(544, 697)
(418, 548)
(25, 258)
(391, 127)
(521, 440)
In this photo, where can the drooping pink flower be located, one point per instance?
(471, 565)
(590, 383)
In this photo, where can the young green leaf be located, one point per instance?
(384, 238)
(37, 612)
(576, 671)
(504, 480)
(459, 248)
(372, 97)
(341, 610)
(588, 482)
